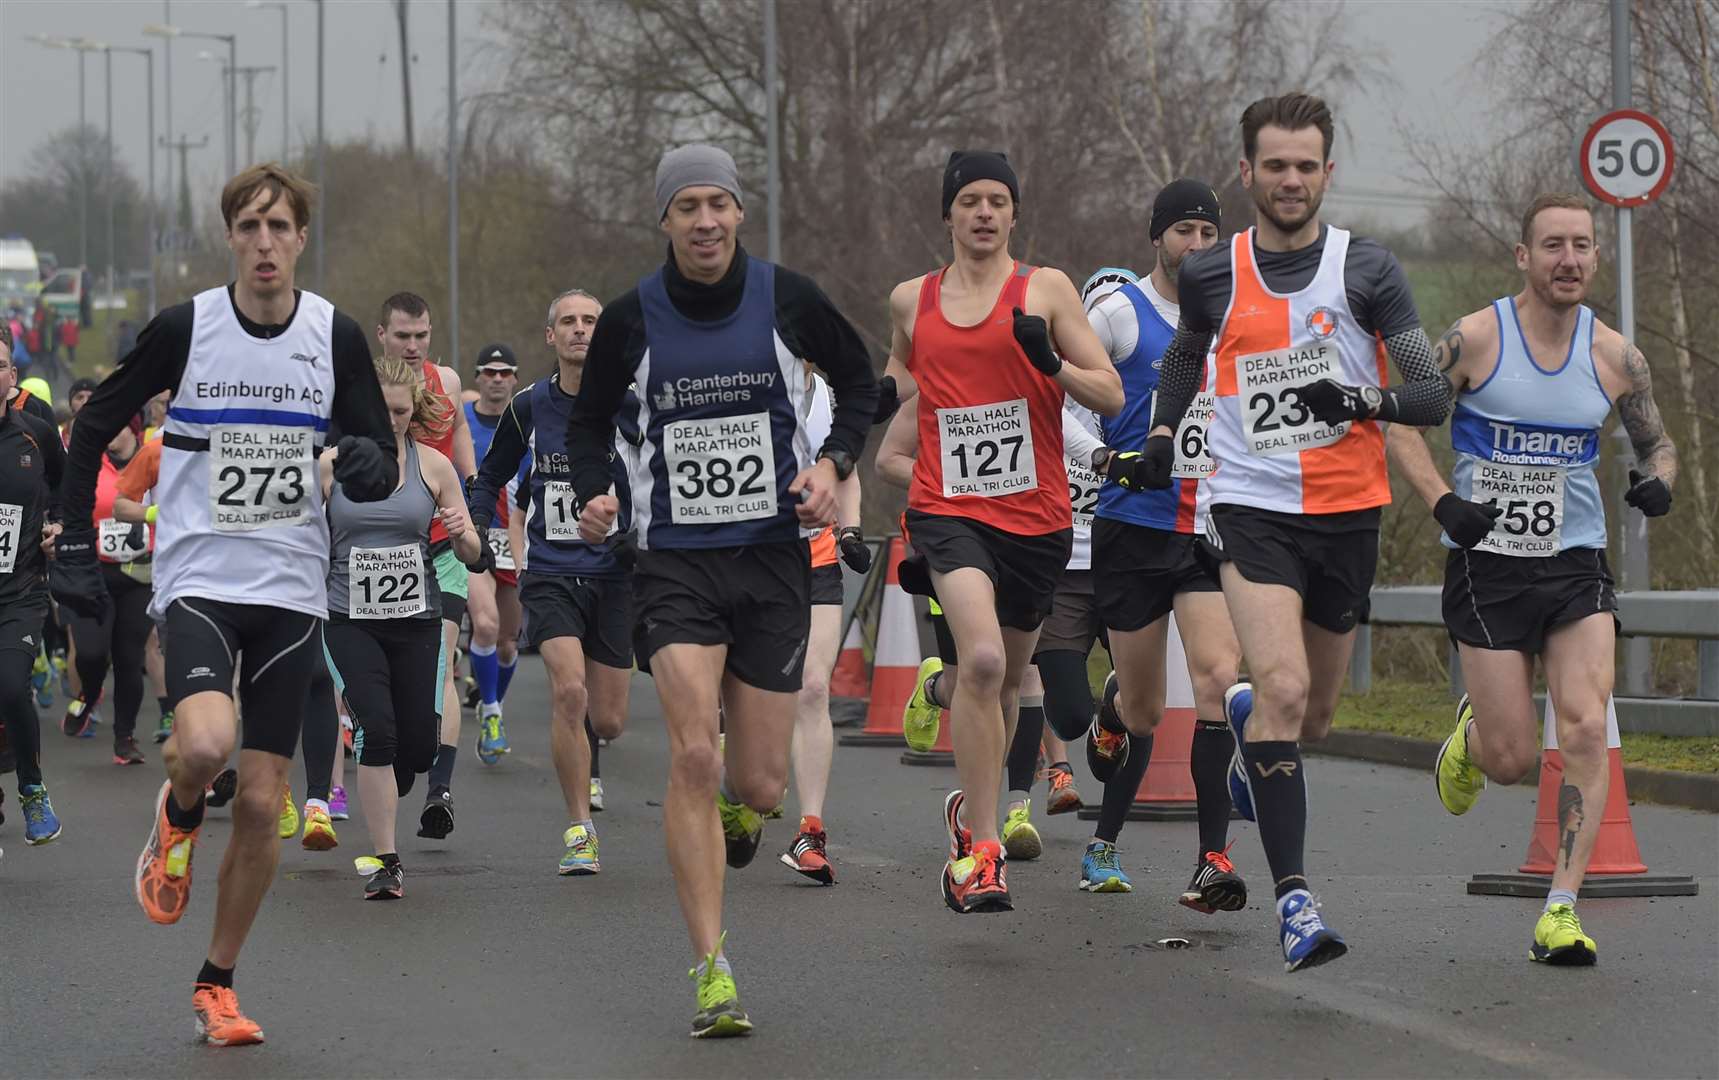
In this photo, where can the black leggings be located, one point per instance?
(18, 701)
(1068, 696)
(120, 637)
(321, 735)
(391, 674)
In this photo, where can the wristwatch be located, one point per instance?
(1099, 458)
(841, 459)
(1372, 398)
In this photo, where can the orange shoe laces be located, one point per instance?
(1221, 859)
(221, 1004)
(1061, 779)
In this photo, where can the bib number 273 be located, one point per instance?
(259, 477)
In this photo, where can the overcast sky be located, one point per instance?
(1420, 45)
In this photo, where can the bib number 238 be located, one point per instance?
(987, 450)
(260, 476)
(721, 469)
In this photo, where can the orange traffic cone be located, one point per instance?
(1167, 790)
(850, 678)
(895, 661)
(1616, 868)
(942, 751)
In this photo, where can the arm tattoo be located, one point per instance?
(1423, 397)
(1181, 371)
(1641, 419)
(1448, 352)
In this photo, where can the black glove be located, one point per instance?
(74, 577)
(1033, 336)
(135, 538)
(1332, 402)
(361, 469)
(1465, 522)
(1147, 470)
(1648, 494)
(888, 400)
(855, 551)
(484, 563)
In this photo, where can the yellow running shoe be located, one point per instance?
(318, 830)
(719, 1013)
(1459, 779)
(289, 814)
(922, 717)
(1020, 839)
(1558, 939)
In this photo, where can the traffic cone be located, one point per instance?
(942, 751)
(850, 678)
(895, 661)
(1616, 868)
(1167, 790)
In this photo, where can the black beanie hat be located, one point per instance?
(966, 166)
(1181, 200)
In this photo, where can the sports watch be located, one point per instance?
(841, 459)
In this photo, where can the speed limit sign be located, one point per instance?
(1626, 158)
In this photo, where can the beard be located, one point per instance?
(1262, 201)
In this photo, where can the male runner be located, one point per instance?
(726, 479)
(988, 510)
(259, 369)
(30, 484)
(494, 645)
(1298, 312)
(403, 328)
(577, 594)
(1536, 375)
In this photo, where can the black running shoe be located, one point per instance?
(125, 751)
(1215, 885)
(223, 788)
(387, 883)
(437, 820)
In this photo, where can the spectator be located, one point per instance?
(69, 338)
(125, 341)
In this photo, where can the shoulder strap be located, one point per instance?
(929, 288)
(1015, 292)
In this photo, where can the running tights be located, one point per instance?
(18, 711)
(121, 637)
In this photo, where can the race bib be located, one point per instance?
(1083, 485)
(1274, 421)
(720, 470)
(11, 524)
(260, 476)
(1532, 498)
(386, 583)
(501, 548)
(560, 516)
(115, 541)
(987, 450)
(1193, 452)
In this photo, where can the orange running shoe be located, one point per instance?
(219, 1021)
(808, 854)
(977, 883)
(163, 881)
(1064, 799)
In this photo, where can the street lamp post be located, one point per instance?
(162, 30)
(286, 78)
(321, 175)
(149, 74)
(50, 42)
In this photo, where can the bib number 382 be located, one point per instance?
(987, 450)
(720, 470)
(260, 476)
(386, 583)
(1532, 500)
(1274, 421)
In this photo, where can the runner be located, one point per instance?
(384, 644)
(1298, 311)
(988, 510)
(132, 503)
(30, 487)
(403, 328)
(494, 645)
(1536, 375)
(814, 737)
(578, 595)
(727, 478)
(258, 369)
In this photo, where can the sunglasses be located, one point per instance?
(498, 372)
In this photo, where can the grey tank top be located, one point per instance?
(379, 563)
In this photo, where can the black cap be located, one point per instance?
(1181, 200)
(966, 166)
(496, 355)
(79, 385)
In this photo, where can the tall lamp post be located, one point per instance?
(50, 42)
(149, 74)
(162, 30)
(286, 79)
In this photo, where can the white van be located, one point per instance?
(20, 273)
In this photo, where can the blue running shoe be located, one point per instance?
(1307, 941)
(492, 739)
(1101, 872)
(1238, 706)
(40, 823)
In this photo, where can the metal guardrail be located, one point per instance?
(1687, 613)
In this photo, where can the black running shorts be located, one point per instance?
(757, 600)
(21, 623)
(1143, 570)
(597, 611)
(1509, 602)
(1329, 559)
(827, 584)
(1024, 570)
(274, 651)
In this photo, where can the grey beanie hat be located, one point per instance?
(694, 165)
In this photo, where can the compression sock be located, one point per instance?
(504, 675)
(486, 671)
(1023, 758)
(1280, 808)
(184, 819)
(1124, 785)
(442, 769)
(591, 738)
(1209, 761)
(215, 976)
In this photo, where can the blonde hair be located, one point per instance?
(430, 420)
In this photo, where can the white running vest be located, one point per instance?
(242, 521)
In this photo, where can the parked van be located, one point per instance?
(20, 274)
